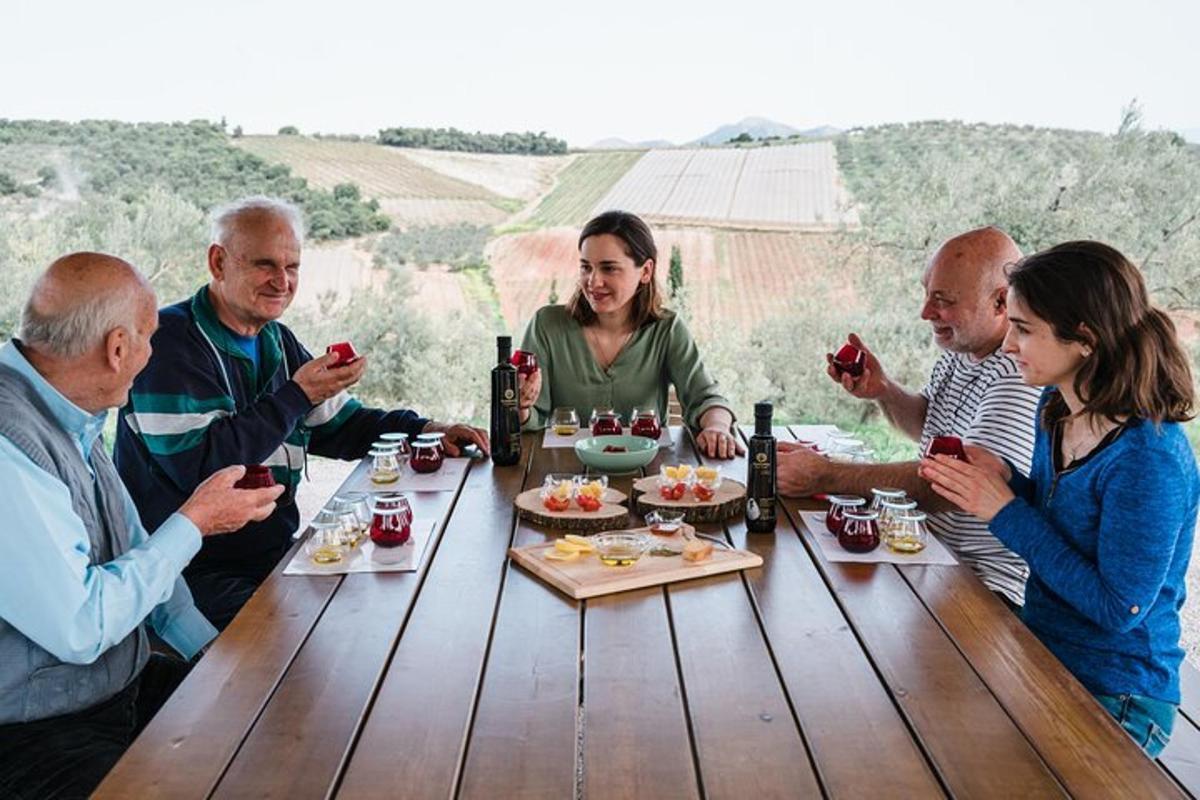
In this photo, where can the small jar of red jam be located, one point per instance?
(391, 520)
(426, 456)
(860, 531)
(437, 437)
(257, 476)
(849, 360)
(839, 504)
(645, 423)
(526, 362)
(606, 422)
(946, 446)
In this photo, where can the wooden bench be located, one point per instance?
(1181, 758)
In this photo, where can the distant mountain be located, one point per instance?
(615, 143)
(757, 127)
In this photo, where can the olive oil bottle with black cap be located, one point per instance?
(506, 416)
(760, 474)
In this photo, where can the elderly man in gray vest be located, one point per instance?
(80, 578)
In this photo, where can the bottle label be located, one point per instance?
(752, 512)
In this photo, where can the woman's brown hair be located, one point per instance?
(1088, 292)
(639, 245)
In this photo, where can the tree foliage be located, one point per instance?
(675, 271)
(528, 143)
(459, 246)
(194, 160)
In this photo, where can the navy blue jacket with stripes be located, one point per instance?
(200, 405)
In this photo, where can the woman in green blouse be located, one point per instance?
(613, 343)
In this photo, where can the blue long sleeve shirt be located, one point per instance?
(48, 590)
(1108, 543)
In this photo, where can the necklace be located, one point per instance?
(603, 357)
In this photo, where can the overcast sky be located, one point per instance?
(636, 70)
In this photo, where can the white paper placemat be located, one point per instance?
(405, 558)
(445, 479)
(934, 553)
(552, 439)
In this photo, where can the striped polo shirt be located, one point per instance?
(988, 404)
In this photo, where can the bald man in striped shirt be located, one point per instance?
(975, 392)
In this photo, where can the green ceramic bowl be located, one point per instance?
(639, 451)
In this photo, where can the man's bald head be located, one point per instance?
(78, 300)
(965, 290)
(984, 253)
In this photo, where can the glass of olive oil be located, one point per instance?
(565, 421)
(620, 548)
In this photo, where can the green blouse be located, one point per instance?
(659, 354)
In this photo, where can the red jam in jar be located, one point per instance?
(850, 360)
(860, 531)
(946, 446)
(839, 504)
(607, 424)
(257, 477)
(426, 456)
(645, 423)
(391, 521)
(526, 362)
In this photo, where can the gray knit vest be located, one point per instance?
(33, 683)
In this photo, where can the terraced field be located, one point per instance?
(581, 185)
(379, 171)
(792, 187)
(734, 278)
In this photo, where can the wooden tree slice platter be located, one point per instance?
(587, 576)
(727, 503)
(610, 516)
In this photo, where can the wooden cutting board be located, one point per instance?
(588, 577)
(610, 516)
(728, 502)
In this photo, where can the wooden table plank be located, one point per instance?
(828, 676)
(297, 747)
(975, 747)
(746, 737)
(524, 739)
(186, 747)
(413, 741)
(636, 741)
(1058, 715)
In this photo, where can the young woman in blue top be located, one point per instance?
(1106, 517)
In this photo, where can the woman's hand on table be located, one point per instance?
(975, 489)
(718, 442)
(528, 393)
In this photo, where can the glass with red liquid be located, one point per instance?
(946, 446)
(860, 531)
(839, 504)
(391, 520)
(346, 354)
(526, 362)
(257, 476)
(427, 456)
(645, 423)
(849, 360)
(606, 422)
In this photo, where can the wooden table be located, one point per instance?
(470, 678)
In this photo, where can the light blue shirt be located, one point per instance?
(49, 591)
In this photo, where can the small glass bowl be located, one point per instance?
(620, 548)
(558, 490)
(674, 480)
(326, 545)
(707, 481)
(665, 522)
